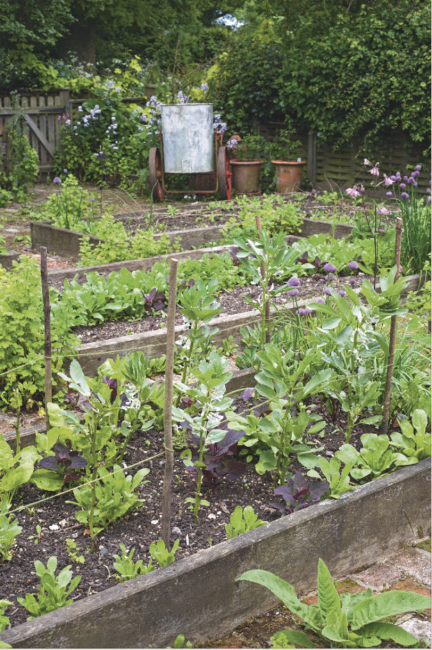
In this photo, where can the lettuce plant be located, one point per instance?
(413, 441)
(127, 568)
(299, 493)
(374, 459)
(346, 620)
(242, 521)
(9, 531)
(52, 592)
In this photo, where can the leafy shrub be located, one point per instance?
(22, 340)
(24, 163)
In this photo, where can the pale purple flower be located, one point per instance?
(248, 394)
(382, 210)
(415, 183)
(428, 190)
(341, 292)
(293, 292)
(362, 190)
(410, 180)
(304, 311)
(320, 301)
(415, 174)
(393, 178)
(352, 282)
(387, 181)
(352, 191)
(231, 144)
(204, 86)
(57, 180)
(405, 178)
(330, 277)
(366, 162)
(389, 194)
(330, 268)
(327, 291)
(294, 282)
(404, 195)
(429, 199)
(402, 186)
(353, 265)
(418, 168)
(374, 171)
(64, 171)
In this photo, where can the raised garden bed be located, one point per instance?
(198, 596)
(153, 343)
(7, 259)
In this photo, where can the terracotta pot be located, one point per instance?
(245, 175)
(288, 175)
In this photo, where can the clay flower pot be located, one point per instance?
(288, 175)
(245, 175)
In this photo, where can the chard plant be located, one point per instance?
(342, 620)
(53, 592)
(209, 395)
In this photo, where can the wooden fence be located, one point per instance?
(327, 169)
(43, 118)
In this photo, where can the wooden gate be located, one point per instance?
(43, 118)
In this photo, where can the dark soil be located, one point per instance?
(142, 526)
(232, 301)
(181, 221)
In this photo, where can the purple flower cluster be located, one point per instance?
(154, 105)
(218, 124)
(182, 98)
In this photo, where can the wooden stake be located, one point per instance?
(169, 372)
(47, 325)
(263, 275)
(392, 342)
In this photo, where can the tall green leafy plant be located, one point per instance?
(346, 620)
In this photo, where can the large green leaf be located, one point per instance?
(284, 637)
(48, 480)
(16, 477)
(286, 593)
(328, 599)
(389, 631)
(388, 604)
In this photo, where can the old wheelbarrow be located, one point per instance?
(189, 144)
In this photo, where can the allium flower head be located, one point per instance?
(404, 195)
(418, 168)
(342, 293)
(389, 194)
(353, 265)
(57, 180)
(327, 291)
(402, 186)
(294, 282)
(330, 277)
(320, 301)
(352, 191)
(352, 282)
(415, 174)
(293, 292)
(410, 180)
(330, 268)
(304, 311)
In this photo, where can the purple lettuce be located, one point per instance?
(300, 493)
(155, 300)
(65, 462)
(218, 459)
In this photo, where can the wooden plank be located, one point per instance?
(39, 134)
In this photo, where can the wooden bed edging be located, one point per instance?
(67, 242)
(198, 596)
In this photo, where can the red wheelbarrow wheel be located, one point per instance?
(224, 174)
(155, 174)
